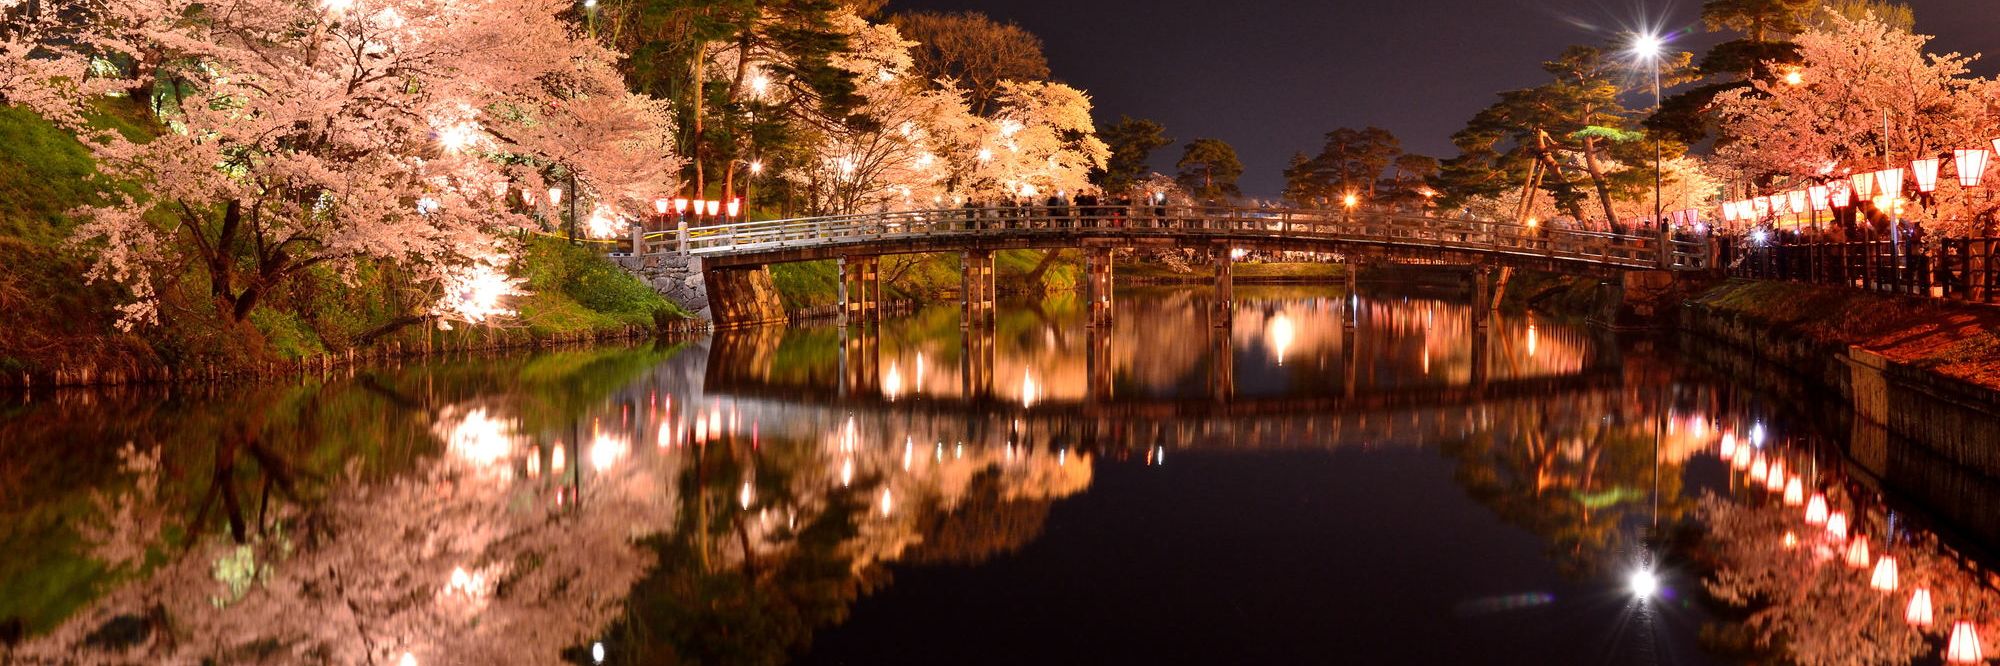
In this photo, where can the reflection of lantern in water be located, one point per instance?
(1816, 510)
(1885, 575)
(892, 382)
(1791, 540)
(909, 451)
(846, 472)
(1795, 491)
(1028, 389)
(1531, 340)
(1279, 335)
(1728, 446)
(407, 660)
(1919, 612)
(1836, 525)
(607, 450)
(1742, 461)
(746, 495)
(556, 459)
(888, 502)
(1857, 553)
(1775, 480)
(1964, 648)
(534, 466)
(1758, 469)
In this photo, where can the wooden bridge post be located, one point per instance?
(1100, 366)
(1482, 300)
(1225, 285)
(860, 290)
(860, 363)
(1098, 284)
(1222, 365)
(977, 291)
(976, 365)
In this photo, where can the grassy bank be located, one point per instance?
(57, 324)
(1956, 340)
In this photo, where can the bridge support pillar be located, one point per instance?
(860, 290)
(1098, 284)
(1100, 369)
(976, 288)
(860, 363)
(1482, 338)
(742, 297)
(1482, 300)
(976, 365)
(1225, 285)
(1222, 365)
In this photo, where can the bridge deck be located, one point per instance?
(1396, 236)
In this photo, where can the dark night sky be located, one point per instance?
(1272, 76)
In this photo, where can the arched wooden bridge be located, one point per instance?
(731, 255)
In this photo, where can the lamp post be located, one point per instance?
(1650, 48)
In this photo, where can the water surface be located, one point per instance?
(1324, 477)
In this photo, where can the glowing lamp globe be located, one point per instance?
(1964, 647)
(734, 206)
(660, 206)
(1795, 491)
(680, 206)
(1926, 173)
(1918, 614)
(1885, 575)
(1857, 553)
(714, 207)
(1972, 165)
(1836, 525)
(1816, 510)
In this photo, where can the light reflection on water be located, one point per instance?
(725, 499)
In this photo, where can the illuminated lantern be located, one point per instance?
(1841, 197)
(735, 206)
(1759, 470)
(1885, 575)
(680, 206)
(714, 207)
(1964, 647)
(1816, 510)
(1798, 200)
(1795, 492)
(660, 206)
(1926, 172)
(1864, 185)
(1742, 462)
(1836, 524)
(1919, 612)
(1972, 165)
(1820, 196)
(555, 196)
(1729, 211)
(1762, 206)
(1774, 481)
(1890, 182)
(1728, 446)
(1857, 553)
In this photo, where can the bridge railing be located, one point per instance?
(1218, 222)
(1958, 269)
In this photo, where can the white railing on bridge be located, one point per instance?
(1222, 223)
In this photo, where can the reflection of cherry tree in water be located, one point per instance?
(1803, 601)
(1564, 470)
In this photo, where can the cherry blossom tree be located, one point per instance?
(301, 135)
(1867, 95)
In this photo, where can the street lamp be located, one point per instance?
(1650, 48)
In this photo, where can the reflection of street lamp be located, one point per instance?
(1644, 584)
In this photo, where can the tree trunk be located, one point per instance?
(1595, 167)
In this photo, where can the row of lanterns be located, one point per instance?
(1884, 188)
(1770, 474)
(682, 207)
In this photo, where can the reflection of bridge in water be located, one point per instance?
(854, 397)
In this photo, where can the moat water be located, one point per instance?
(1322, 478)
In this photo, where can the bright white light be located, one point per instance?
(597, 648)
(607, 450)
(1649, 46)
(407, 660)
(1759, 236)
(1644, 584)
